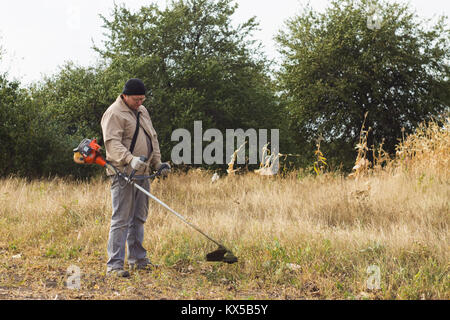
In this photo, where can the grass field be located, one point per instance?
(302, 236)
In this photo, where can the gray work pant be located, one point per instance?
(129, 213)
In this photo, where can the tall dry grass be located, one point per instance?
(301, 236)
(427, 150)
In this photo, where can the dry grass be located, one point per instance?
(298, 237)
(427, 151)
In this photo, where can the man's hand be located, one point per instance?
(137, 164)
(165, 169)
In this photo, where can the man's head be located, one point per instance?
(134, 93)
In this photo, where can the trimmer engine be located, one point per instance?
(88, 152)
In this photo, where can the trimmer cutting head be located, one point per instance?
(222, 254)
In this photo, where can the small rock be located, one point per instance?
(17, 256)
(293, 266)
(215, 177)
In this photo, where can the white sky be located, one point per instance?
(38, 36)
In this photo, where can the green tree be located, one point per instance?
(72, 103)
(41, 124)
(9, 125)
(337, 66)
(24, 134)
(196, 65)
(19, 135)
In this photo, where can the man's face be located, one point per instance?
(134, 102)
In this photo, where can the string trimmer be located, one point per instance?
(88, 152)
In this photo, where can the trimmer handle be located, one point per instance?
(163, 166)
(143, 159)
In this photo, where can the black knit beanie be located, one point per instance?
(134, 87)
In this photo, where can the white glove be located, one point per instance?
(137, 164)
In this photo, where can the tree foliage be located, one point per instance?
(335, 69)
(197, 65)
(72, 103)
(23, 134)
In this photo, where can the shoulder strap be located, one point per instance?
(136, 132)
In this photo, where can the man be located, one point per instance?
(128, 134)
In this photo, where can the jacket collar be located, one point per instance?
(121, 104)
(124, 107)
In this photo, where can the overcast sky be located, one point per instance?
(38, 36)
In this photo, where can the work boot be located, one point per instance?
(118, 273)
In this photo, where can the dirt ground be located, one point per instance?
(34, 278)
